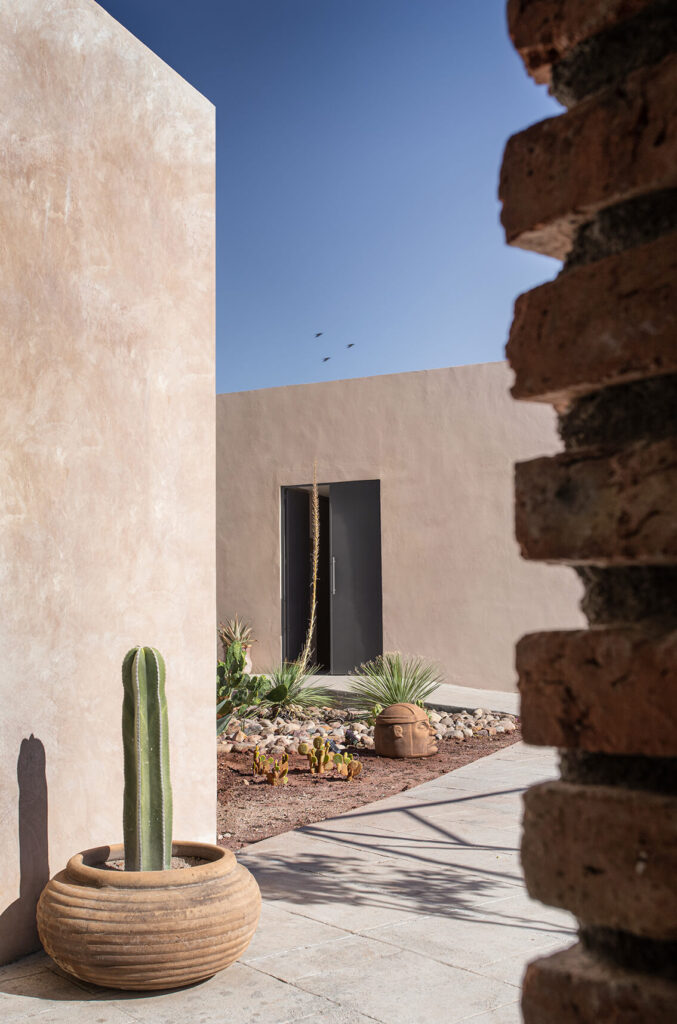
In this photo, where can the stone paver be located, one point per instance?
(408, 910)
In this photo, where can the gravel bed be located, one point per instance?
(345, 727)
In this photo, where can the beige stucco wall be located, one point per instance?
(106, 431)
(443, 443)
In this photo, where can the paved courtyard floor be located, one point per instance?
(406, 911)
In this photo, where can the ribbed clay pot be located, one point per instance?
(149, 929)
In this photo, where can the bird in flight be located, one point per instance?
(319, 334)
(326, 359)
(351, 345)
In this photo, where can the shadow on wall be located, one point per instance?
(18, 928)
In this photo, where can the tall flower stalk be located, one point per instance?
(315, 521)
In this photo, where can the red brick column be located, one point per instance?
(597, 188)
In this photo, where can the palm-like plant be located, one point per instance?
(292, 691)
(393, 679)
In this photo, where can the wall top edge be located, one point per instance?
(95, 9)
(461, 368)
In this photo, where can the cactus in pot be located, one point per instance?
(147, 810)
(144, 928)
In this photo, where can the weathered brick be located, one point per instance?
(606, 323)
(544, 31)
(605, 60)
(619, 144)
(576, 987)
(621, 595)
(607, 854)
(600, 690)
(641, 410)
(596, 507)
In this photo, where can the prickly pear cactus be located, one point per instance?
(277, 773)
(319, 756)
(347, 765)
(258, 763)
(147, 814)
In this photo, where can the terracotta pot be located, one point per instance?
(403, 730)
(149, 929)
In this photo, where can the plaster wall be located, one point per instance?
(106, 432)
(443, 444)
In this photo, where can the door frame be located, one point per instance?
(284, 564)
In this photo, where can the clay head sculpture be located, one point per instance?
(403, 730)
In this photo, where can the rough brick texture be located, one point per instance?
(609, 148)
(639, 593)
(604, 60)
(576, 987)
(544, 31)
(597, 188)
(602, 690)
(642, 410)
(606, 323)
(597, 507)
(607, 854)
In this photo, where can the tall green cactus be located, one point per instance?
(147, 814)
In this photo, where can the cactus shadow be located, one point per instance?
(18, 927)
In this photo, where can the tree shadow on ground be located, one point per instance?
(357, 872)
(362, 862)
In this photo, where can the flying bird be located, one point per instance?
(326, 359)
(319, 334)
(351, 345)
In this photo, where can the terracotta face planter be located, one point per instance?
(403, 730)
(149, 929)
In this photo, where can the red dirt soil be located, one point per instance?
(250, 810)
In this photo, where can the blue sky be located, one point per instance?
(358, 148)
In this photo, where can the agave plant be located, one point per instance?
(234, 631)
(293, 690)
(393, 679)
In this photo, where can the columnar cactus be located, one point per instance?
(147, 815)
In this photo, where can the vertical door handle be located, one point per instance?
(333, 575)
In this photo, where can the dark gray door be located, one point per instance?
(296, 568)
(355, 564)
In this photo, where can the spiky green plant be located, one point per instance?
(393, 679)
(147, 810)
(235, 631)
(292, 691)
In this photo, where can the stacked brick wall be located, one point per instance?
(596, 187)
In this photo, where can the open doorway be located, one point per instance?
(349, 627)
